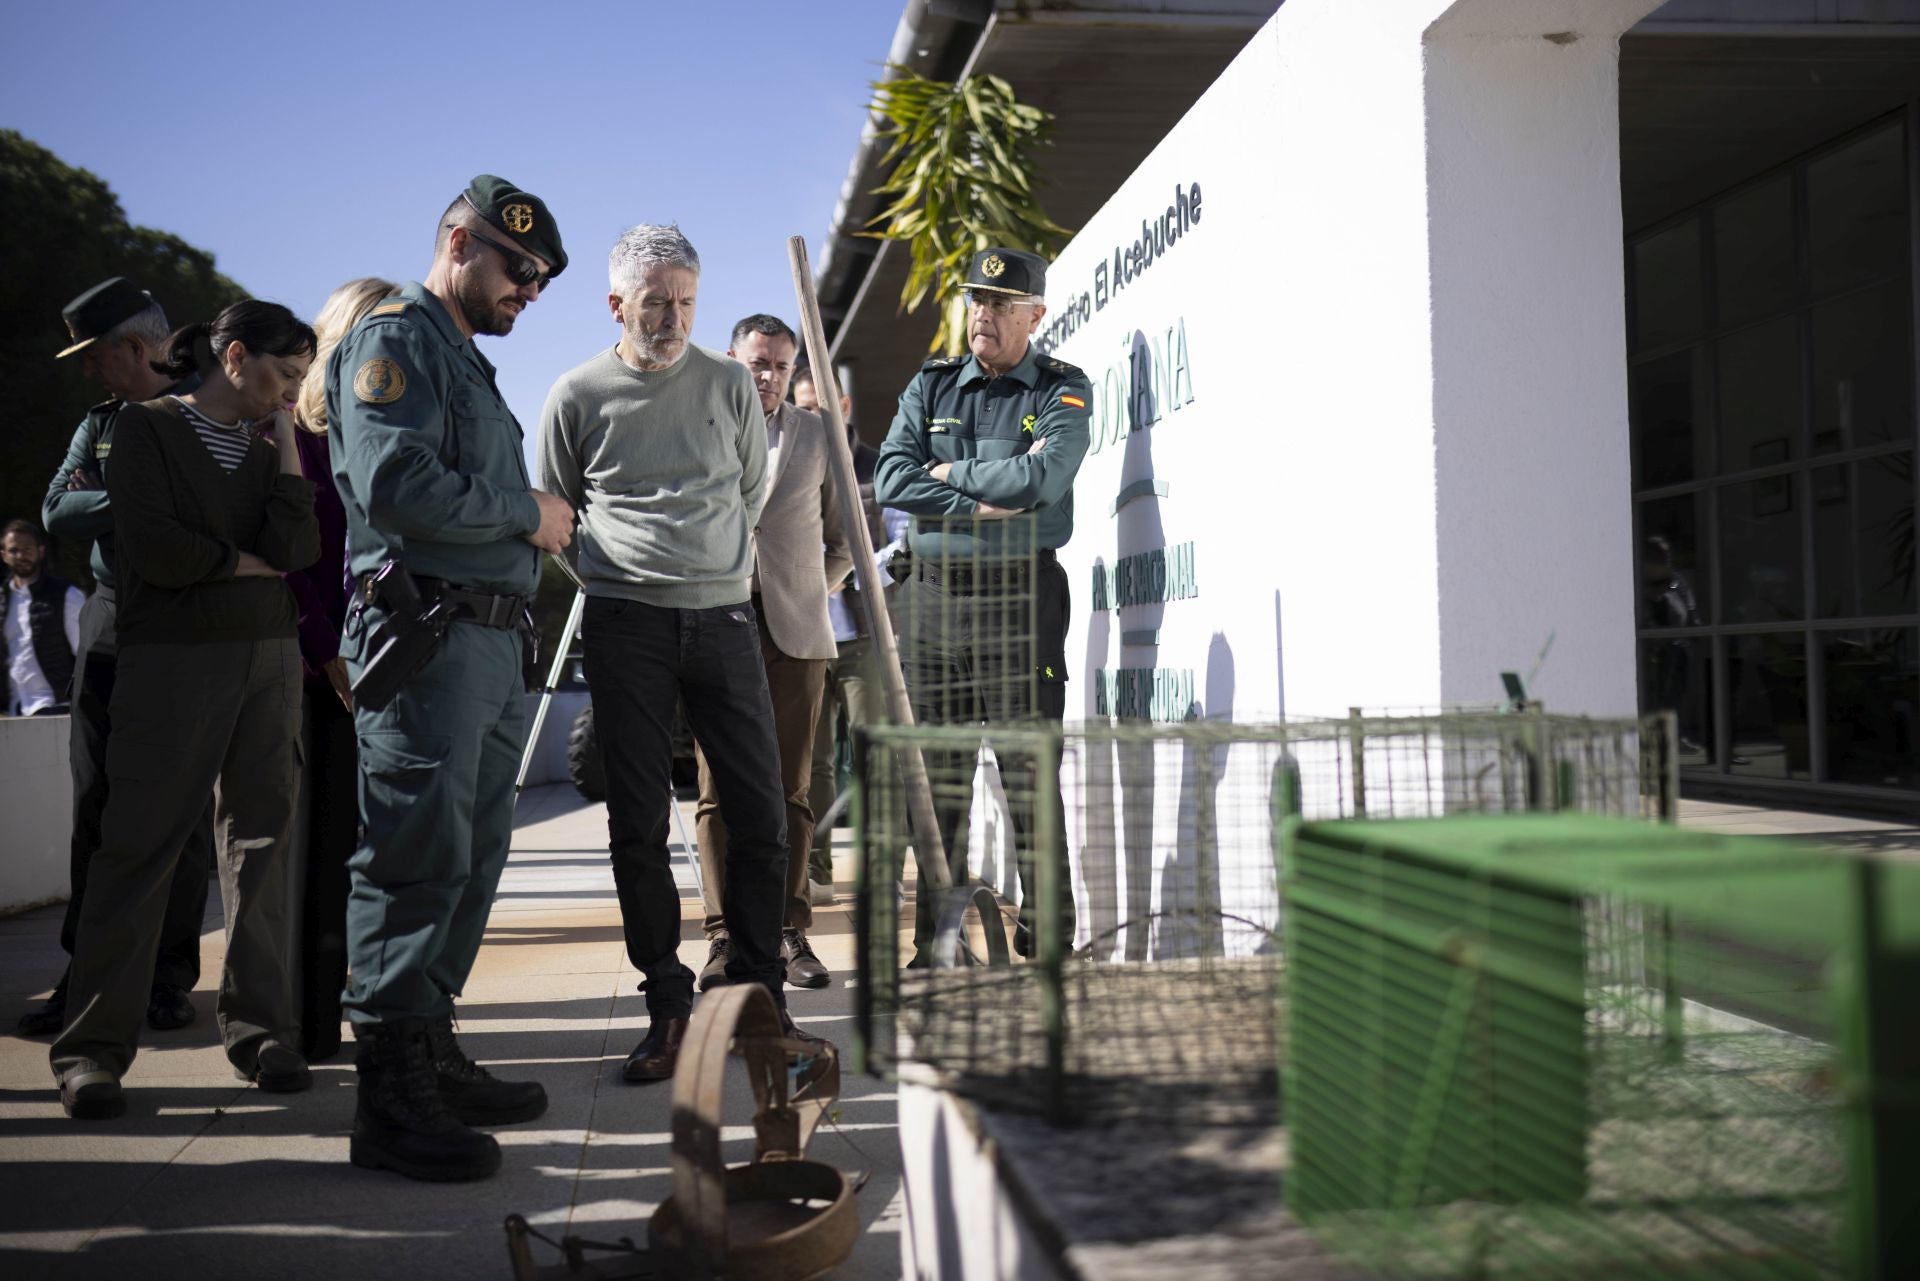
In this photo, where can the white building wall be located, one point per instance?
(1535, 531)
(1397, 444)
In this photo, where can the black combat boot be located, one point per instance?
(473, 1093)
(402, 1123)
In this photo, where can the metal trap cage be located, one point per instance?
(1152, 987)
(1557, 1046)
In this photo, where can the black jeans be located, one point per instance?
(331, 782)
(95, 663)
(639, 658)
(995, 656)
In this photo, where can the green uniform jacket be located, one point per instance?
(85, 514)
(426, 454)
(952, 412)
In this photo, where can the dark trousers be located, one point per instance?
(437, 766)
(853, 697)
(186, 716)
(795, 686)
(332, 818)
(992, 656)
(177, 960)
(638, 658)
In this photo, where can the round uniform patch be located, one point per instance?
(379, 382)
(519, 218)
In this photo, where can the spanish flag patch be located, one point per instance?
(1075, 401)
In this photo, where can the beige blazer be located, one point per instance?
(800, 550)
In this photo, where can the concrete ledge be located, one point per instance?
(34, 848)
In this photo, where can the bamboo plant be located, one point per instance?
(962, 178)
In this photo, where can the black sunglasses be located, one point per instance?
(520, 268)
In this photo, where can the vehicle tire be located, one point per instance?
(584, 763)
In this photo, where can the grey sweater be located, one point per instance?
(668, 472)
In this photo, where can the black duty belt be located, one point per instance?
(968, 580)
(483, 608)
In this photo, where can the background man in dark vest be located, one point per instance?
(42, 625)
(117, 330)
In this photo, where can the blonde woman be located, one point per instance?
(329, 813)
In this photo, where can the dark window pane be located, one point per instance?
(1754, 274)
(1767, 696)
(1675, 677)
(1873, 700)
(1863, 368)
(1667, 295)
(1673, 570)
(1760, 552)
(1758, 385)
(1863, 537)
(1857, 211)
(1670, 444)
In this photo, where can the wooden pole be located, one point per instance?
(927, 838)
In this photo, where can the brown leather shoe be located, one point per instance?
(655, 1057)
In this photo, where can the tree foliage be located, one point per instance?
(962, 179)
(66, 232)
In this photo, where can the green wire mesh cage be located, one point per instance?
(1136, 864)
(1563, 1046)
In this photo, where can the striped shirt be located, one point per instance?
(227, 444)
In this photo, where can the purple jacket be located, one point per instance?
(321, 590)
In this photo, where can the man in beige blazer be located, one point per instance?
(800, 554)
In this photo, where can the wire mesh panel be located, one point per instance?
(1152, 988)
(1563, 1046)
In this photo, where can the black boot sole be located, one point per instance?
(369, 1156)
(476, 1116)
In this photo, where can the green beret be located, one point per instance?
(521, 215)
(1007, 271)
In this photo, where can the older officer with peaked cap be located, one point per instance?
(444, 535)
(118, 331)
(979, 438)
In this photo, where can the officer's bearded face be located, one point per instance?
(769, 358)
(657, 318)
(1000, 342)
(488, 300)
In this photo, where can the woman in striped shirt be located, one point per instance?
(210, 508)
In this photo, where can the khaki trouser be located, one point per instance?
(186, 716)
(796, 685)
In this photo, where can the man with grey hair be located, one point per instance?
(118, 330)
(661, 447)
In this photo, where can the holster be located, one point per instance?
(401, 645)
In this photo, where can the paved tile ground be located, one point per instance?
(207, 1178)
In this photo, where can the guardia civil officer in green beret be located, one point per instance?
(983, 452)
(429, 463)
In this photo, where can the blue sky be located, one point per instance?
(307, 144)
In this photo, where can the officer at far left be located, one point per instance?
(430, 466)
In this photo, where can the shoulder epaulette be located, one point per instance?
(1057, 366)
(943, 362)
(393, 308)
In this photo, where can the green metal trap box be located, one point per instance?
(1543, 1045)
